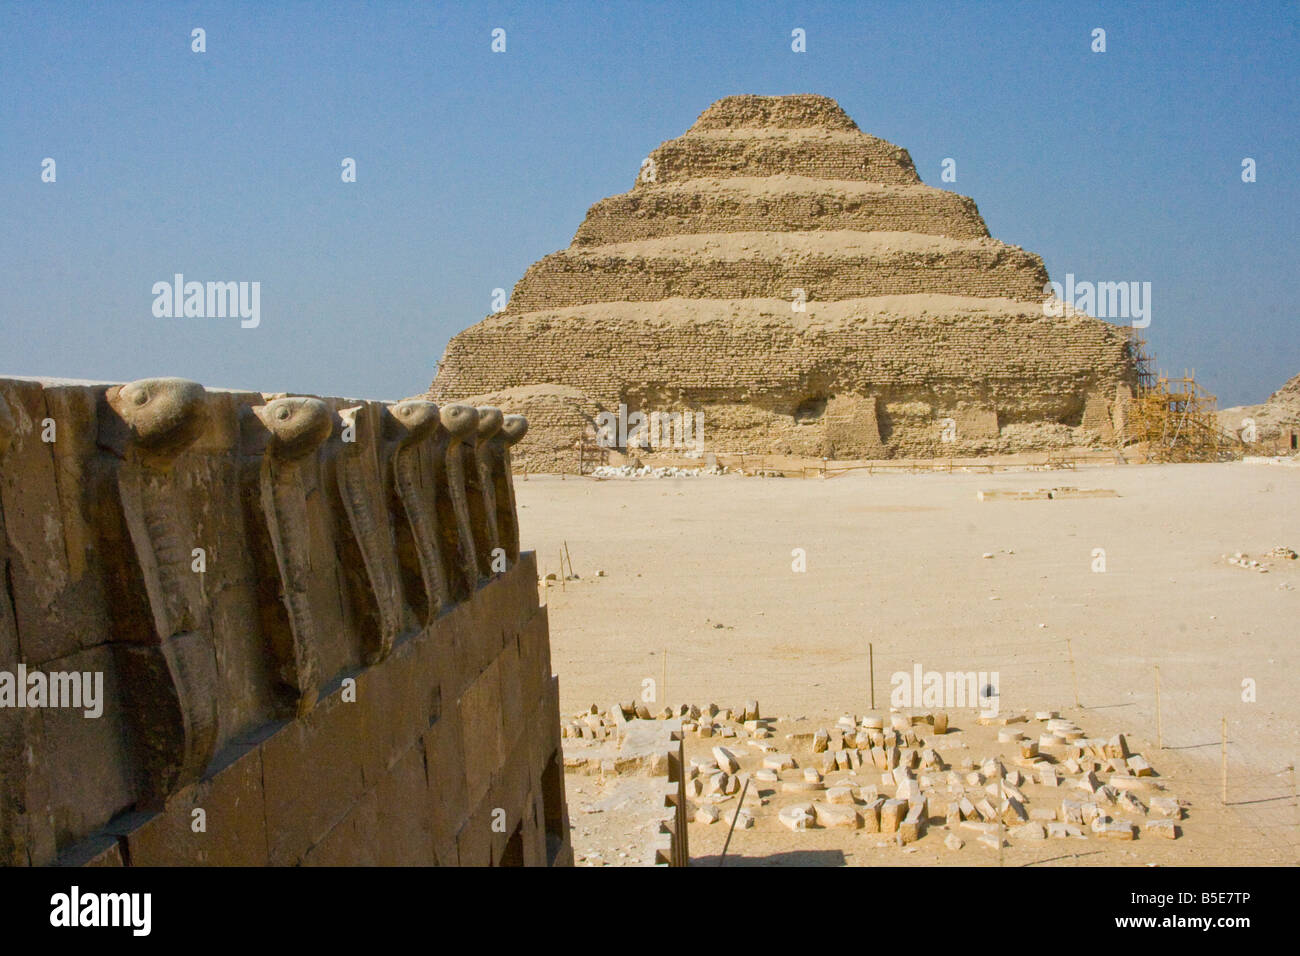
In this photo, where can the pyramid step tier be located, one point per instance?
(827, 266)
(818, 154)
(779, 204)
(748, 111)
(675, 353)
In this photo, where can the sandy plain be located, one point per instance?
(699, 595)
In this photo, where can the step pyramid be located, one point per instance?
(789, 281)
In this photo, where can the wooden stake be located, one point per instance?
(1160, 733)
(1225, 761)
(561, 570)
(734, 817)
(1074, 679)
(871, 656)
(566, 554)
(1001, 800)
(663, 684)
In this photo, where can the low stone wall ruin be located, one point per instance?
(306, 626)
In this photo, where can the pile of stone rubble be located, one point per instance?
(645, 471)
(900, 775)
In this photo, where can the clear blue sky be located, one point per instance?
(471, 165)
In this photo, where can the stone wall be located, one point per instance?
(317, 638)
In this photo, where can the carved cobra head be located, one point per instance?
(514, 428)
(411, 419)
(459, 420)
(297, 425)
(489, 421)
(163, 414)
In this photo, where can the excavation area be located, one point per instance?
(1071, 601)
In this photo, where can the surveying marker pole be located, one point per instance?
(734, 817)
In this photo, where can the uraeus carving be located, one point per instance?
(490, 420)
(360, 490)
(513, 429)
(168, 659)
(455, 523)
(280, 437)
(410, 430)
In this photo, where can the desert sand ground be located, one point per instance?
(700, 570)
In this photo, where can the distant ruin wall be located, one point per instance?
(308, 619)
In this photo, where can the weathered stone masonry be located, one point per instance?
(679, 295)
(304, 623)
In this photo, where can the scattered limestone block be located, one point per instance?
(929, 758)
(836, 739)
(1113, 829)
(766, 776)
(1167, 807)
(797, 817)
(751, 710)
(643, 712)
(900, 722)
(907, 788)
(827, 761)
(1007, 736)
(1162, 828)
(1028, 749)
(992, 841)
(836, 815)
(840, 795)
(799, 786)
(1046, 715)
(726, 760)
(744, 820)
(871, 815)
(1117, 746)
(891, 815)
(967, 808)
(953, 816)
(811, 775)
(1138, 764)
(733, 784)
(707, 814)
(1028, 831)
(879, 758)
(1042, 814)
(778, 762)
(986, 810)
(706, 728)
(842, 760)
(821, 740)
(1047, 776)
(717, 784)
(953, 842)
(940, 723)
(1088, 782)
(1063, 830)
(1013, 811)
(694, 787)
(909, 831)
(1072, 811)
(1131, 803)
